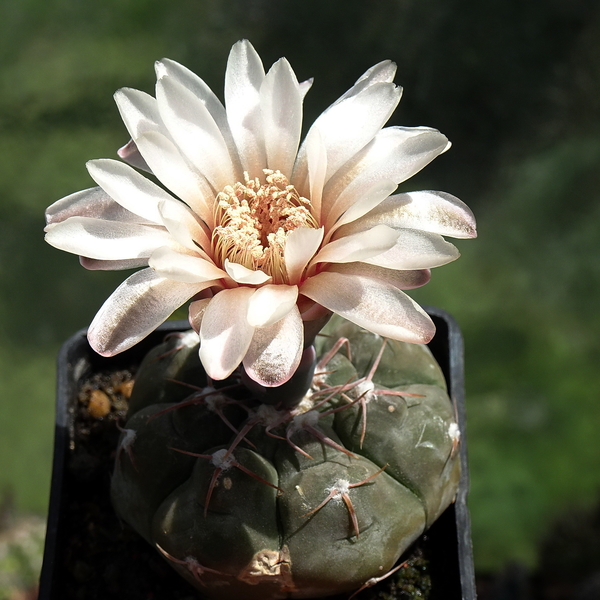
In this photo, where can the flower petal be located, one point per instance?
(403, 280)
(155, 144)
(137, 307)
(395, 154)
(372, 304)
(359, 246)
(348, 125)
(196, 312)
(275, 351)
(130, 153)
(243, 79)
(382, 72)
(416, 250)
(183, 267)
(281, 106)
(139, 112)
(197, 86)
(106, 240)
(435, 212)
(271, 303)
(185, 227)
(300, 246)
(241, 274)
(316, 160)
(175, 172)
(130, 189)
(195, 132)
(94, 203)
(369, 200)
(305, 86)
(91, 264)
(225, 333)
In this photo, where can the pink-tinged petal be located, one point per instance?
(271, 303)
(185, 227)
(349, 125)
(130, 189)
(416, 250)
(435, 212)
(369, 200)
(301, 245)
(183, 267)
(130, 153)
(275, 351)
(281, 107)
(106, 240)
(241, 274)
(91, 264)
(94, 203)
(305, 87)
(137, 307)
(403, 280)
(196, 312)
(243, 79)
(395, 154)
(359, 246)
(225, 333)
(372, 304)
(195, 132)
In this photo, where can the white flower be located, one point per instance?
(257, 230)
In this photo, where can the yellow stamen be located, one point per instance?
(253, 221)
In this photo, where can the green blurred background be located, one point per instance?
(515, 86)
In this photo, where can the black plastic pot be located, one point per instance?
(71, 559)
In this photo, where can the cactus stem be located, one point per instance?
(195, 568)
(375, 580)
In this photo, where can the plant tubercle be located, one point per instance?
(266, 236)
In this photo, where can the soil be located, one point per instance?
(104, 559)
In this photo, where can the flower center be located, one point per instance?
(253, 221)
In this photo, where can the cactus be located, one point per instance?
(264, 501)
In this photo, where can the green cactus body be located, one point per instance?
(254, 501)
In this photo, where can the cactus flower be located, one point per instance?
(263, 233)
